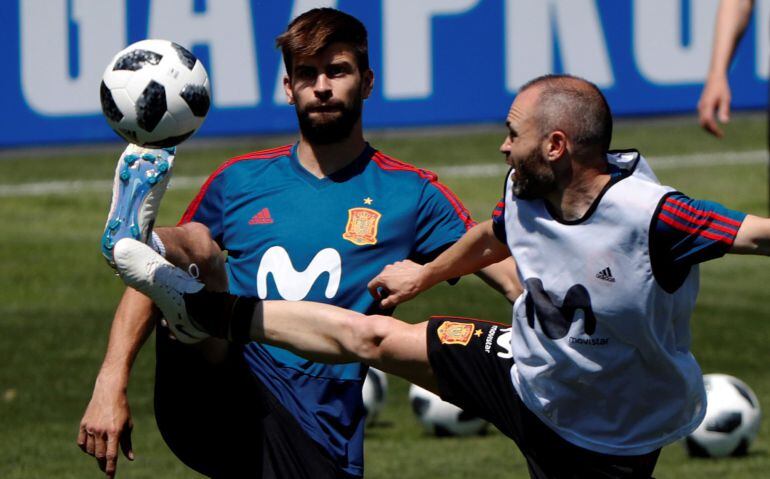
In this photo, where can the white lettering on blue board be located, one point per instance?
(48, 86)
(408, 44)
(226, 28)
(660, 52)
(529, 34)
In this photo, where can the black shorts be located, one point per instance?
(471, 360)
(221, 421)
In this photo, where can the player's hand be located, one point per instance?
(106, 424)
(396, 283)
(714, 104)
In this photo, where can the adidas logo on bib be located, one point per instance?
(606, 275)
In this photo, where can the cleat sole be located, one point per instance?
(138, 177)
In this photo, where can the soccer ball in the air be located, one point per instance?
(155, 93)
(441, 418)
(731, 422)
(374, 392)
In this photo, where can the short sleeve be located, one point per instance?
(442, 219)
(498, 221)
(693, 231)
(208, 205)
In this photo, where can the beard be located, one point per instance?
(533, 178)
(325, 130)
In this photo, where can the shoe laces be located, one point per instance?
(177, 279)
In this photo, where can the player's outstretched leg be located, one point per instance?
(141, 177)
(143, 269)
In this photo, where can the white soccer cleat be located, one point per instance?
(141, 178)
(141, 268)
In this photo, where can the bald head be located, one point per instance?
(574, 106)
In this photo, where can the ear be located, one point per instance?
(287, 89)
(555, 145)
(367, 83)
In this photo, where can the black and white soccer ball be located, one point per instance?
(155, 93)
(374, 393)
(441, 418)
(732, 419)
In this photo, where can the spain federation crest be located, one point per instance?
(362, 226)
(455, 333)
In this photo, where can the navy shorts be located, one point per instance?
(471, 360)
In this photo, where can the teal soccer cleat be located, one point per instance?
(141, 178)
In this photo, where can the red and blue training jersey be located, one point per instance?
(290, 235)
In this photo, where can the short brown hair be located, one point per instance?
(316, 29)
(575, 105)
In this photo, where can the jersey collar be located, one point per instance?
(350, 170)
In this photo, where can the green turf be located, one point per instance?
(57, 298)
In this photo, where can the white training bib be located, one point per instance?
(601, 350)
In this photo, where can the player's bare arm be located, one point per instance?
(502, 277)
(402, 281)
(714, 104)
(107, 423)
(753, 237)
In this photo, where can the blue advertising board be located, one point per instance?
(436, 61)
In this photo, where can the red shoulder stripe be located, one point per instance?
(459, 208)
(389, 163)
(263, 154)
(256, 155)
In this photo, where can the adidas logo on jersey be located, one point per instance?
(261, 218)
(606, 275)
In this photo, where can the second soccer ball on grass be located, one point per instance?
(374, 393)
(732, 419)
(441, 418)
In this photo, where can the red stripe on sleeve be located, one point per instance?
(711, 214)
(688, 229)
(700, 221)
(257, 155)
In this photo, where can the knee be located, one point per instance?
(197, 243)
(197, 237)
(200, 249)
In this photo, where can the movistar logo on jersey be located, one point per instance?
(295, 285)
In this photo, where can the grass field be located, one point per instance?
(57, 297)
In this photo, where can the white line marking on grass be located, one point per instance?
(752, 157)
(480, 170)
(658, 163)
(70, 187)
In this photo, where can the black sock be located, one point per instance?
(222, 315)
